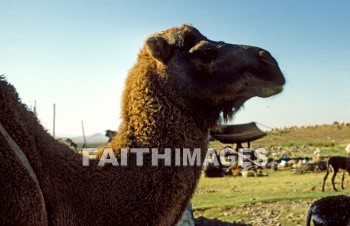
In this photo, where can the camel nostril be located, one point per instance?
(267, 58)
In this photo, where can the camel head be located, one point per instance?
(201, 75)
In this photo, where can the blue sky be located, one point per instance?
(77, 54)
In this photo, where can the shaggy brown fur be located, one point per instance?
(174, 94)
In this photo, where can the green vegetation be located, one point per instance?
(281, 193)
(283, 196)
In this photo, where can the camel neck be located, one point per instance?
(150, 119)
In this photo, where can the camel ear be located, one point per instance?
(159, 48)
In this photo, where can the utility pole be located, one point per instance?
(34, 107)
(54, 120)
(82, 126)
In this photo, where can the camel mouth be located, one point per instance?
(267, 91)
(263, 88)
(249, 89)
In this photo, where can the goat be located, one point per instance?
(337, 162)
(330, 211)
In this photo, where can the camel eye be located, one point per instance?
(205, 55)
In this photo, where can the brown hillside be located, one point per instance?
(323, 135)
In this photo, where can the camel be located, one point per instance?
(179, 88)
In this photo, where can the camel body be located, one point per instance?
(85, 195)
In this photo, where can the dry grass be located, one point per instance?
(281, 197)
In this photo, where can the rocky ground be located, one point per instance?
(271, 214)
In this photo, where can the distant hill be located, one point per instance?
(336, 134)
(97, 138)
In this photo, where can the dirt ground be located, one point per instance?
(267, 214)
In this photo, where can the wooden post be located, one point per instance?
(34, 107)
(54, 120)
(82, 126)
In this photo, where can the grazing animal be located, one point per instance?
(179, 87)
(110, 134)
(330, 211)
(337, 162)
